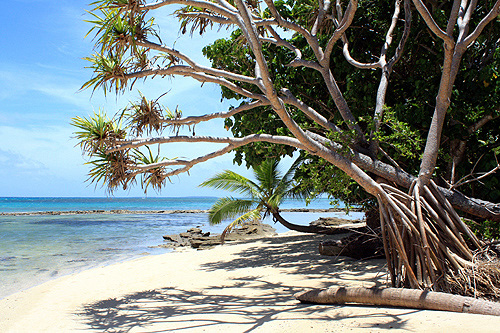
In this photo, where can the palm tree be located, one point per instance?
(263, 196)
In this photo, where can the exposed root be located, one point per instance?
(428, 246)
(480, 280)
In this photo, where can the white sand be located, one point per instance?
(245, 287)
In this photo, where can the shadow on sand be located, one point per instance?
(246, 302)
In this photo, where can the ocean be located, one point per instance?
(37, 248)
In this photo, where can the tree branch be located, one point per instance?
(429, 20)
(342, 27)
(308, 111)
(192, 120)
(236, 142)
(195, 66)
(202, 77)
(195, 3)
(494, 12)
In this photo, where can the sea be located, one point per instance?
(40, 247)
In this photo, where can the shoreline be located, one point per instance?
(75, 249)
(245, 286)
(176, 211)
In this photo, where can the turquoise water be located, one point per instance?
(67, 204)
(8, 205)
(37, 248)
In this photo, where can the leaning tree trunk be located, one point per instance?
(312, 229)
(409, 298)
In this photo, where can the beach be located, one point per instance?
(243, 287)
(46, 238)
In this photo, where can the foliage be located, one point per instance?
(488, 230)
(98, 134)
(407, 112)
(265, 194)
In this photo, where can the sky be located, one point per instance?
(42, 47)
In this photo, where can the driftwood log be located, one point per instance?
(400, 297)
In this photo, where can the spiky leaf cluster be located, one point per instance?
(118, 26)
(99, 136)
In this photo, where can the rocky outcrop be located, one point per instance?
(198, 239)
(337, 223)
(177, 211)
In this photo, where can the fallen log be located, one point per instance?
(400, 297)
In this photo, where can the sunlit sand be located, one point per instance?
(244, 287)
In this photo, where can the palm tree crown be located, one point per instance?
(263, 196)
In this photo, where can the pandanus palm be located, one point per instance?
(262, 196)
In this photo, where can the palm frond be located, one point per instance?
(267, 175)
(252, 215)
(145, 116)
(231, 181)
(286, 188)
(291, 171)
(227, 208)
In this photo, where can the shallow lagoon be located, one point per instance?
(37, 248)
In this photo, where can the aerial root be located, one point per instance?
(428, 246)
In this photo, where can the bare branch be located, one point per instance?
(187, 164)
(323, 7)
(429, 20)
(453, 17)
(202, 77)
(342, 27)
(281, 42)
(195, 3)
(494, 12)
(237, 142)
(308, 111)
(463, 22)
(196, 67)
(352, 61)
(311, 40)
(481, 122)
(192, 120)
(463, 180)
(297, 62)
(406, 33)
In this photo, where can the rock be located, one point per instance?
(194, 231)
(196, 238)
(204, 243)
(172, 238)
(250, 230)
(334, 222)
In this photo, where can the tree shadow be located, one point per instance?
(172, 309)
(245, 302)
(299, 255)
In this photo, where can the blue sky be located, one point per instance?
(41, 70)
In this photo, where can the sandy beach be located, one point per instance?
(243, 287)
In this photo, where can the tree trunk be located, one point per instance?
(400, 297)
(312, 229)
